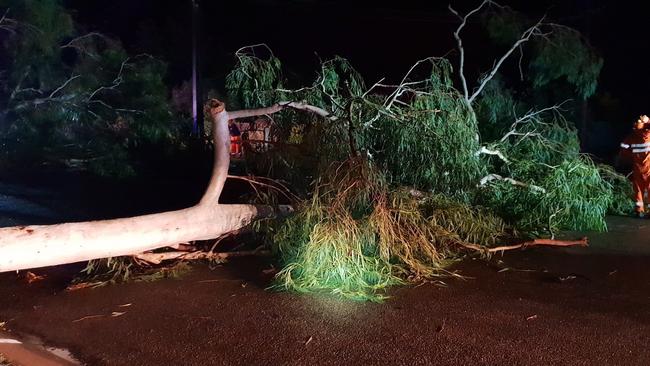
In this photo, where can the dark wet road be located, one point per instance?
(542, 306)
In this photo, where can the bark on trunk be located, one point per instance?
(25, 247)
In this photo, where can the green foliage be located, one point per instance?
(496, 108)
(564, 54)
(355, 237)
(622, 192)
(339, 80)
(505, 26)
(434, 148)
(254, 82)
(576, 198)
(44, 26)
(547, 155)
(405, 200)
(78, 98)
(561, 54)
(436, 130)
(472, 224)
(323, 254)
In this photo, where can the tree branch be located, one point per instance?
(73, 43)
(279, 107)
(459, 41)
(8, 24)
(282, 189)
(63, 86)
(215, 109)
(156, 258)
(490, 177)
(524, 38)
(583, 242)
(486, 151)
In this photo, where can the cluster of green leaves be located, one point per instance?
(622, 192)
(575, 197)
(356, 236)
(496, 108)
(505, 26)
(566, 55)
(546, 154)
(72, 96)
(432, 147)
(562, 54)
(435, 129)
(255, 82)
(102, 272)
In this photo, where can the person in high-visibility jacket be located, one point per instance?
(235, 139)
(636, 147)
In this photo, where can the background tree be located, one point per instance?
(78, 99)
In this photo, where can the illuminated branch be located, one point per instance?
(116, 83)
(459, 41)
(74, 43)
(63, 86)
(525, 37)
(535, 114)
(8, 24)
(491, 177)
(532, 116)
(406, 86)
(534, 30)
(486, 151)
(50, 98)
(240, 52)
(276, 186)
(279, 107)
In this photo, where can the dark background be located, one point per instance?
(380, 38)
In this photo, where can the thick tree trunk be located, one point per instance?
(25, 247)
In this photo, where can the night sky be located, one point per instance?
(380, 38)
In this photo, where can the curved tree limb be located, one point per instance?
(25, 247)
(459, 41)
(221, 136)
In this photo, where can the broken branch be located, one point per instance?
(582, 242)
(157, 258)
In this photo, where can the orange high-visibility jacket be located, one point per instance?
(637, 147)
